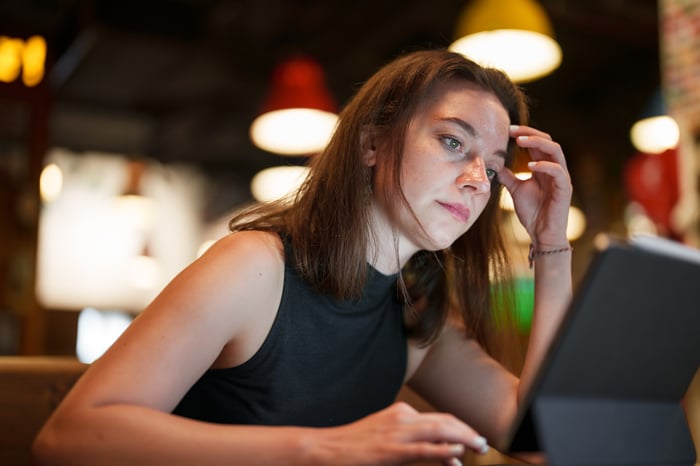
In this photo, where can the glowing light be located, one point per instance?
(293, 131)
(506, 201)
(515, 36)
(276, 182)
(655, 134)
(50, 182)
(522, 55)
(576, 225)
(10, 58)
(27, 58)
(33, 59)
(298, 116)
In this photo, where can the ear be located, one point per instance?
(369, 148)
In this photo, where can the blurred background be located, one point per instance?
(125, 136)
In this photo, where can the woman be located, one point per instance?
(288, 340)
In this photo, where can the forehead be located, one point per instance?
(466, 101)
(458, 91)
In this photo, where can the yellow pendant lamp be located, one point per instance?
(515, 36)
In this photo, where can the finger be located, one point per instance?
(555, 170)
(428, 451)
(542, 148)
(560, 180)
(452, 462)
(439, 427)
(508, 179)
(531, 138)
(523, 130)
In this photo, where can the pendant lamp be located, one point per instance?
(515, 36)
(275, 183)
(299, 113)
(655, 132)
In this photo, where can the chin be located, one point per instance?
(440, 243)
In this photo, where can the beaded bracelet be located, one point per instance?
(532, 253)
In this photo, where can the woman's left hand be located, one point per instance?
(542, 201)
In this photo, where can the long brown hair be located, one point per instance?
(327, 220)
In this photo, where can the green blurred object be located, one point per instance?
(514, 303)
(524, 289)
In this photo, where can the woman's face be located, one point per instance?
(455, 144)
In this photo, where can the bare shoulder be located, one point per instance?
(256, 248)
(248, 268)
(249, 264)
(229, 267)
(243, 272)
(220, 306)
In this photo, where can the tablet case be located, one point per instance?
(609, 390)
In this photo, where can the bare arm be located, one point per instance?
(456, 375)
(119, 412)
(553, 289)
(542, 205)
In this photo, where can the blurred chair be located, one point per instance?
(30, 389)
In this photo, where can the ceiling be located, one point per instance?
(181, 80)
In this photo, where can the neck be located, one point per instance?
(387, 251)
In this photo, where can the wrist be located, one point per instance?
(319, 446)
(543, 244)
(537, 251)
(305, 448)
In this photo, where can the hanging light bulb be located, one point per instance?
(515, 36)
(298, 116)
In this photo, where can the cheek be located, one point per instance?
(417, 184)
(410, 175)
(420, 171)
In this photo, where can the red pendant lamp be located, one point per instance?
(298, 116)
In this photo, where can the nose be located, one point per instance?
(474, 176)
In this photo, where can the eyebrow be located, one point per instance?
(472, 132)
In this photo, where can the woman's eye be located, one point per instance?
(491, 173)
(452, 143)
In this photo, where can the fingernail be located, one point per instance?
(514, 127)
(457, 449)
(523, 138)
(455, 462)
(480, 444)
(531, 164)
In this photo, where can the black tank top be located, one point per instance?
(324, 362)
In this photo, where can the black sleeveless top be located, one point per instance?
(324, 362)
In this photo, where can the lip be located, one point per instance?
(459, 211)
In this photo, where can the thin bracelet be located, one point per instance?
(533, 253)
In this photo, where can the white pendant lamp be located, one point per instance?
(655, 131)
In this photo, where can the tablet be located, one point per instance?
(609, 389)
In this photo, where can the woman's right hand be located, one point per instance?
(397, 435)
